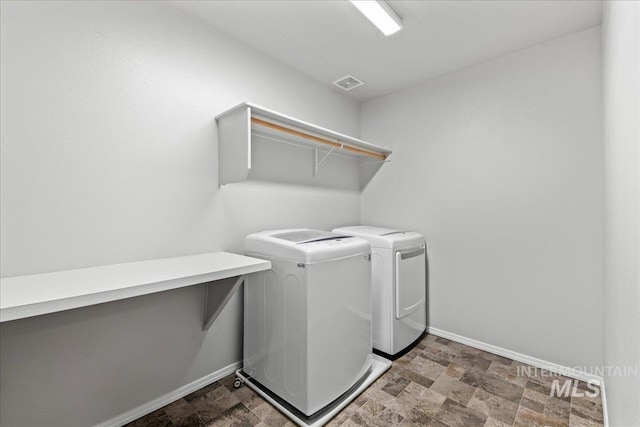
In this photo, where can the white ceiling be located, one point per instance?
(329, 39)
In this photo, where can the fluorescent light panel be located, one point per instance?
(381, 14)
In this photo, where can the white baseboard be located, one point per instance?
(529, 360)
(605, 412)
(538, 363)
(167, 398)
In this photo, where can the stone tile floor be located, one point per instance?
(438, 383)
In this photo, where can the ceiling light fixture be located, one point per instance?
(381, 14)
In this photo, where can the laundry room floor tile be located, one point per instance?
(439, 383)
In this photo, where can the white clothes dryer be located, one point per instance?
(399, 287)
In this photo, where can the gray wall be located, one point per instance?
(109, 154)
(621, 60)
(500, 166)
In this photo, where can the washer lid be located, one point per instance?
(381, 237)
(304, 245)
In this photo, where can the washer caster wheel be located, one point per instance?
(237, 383)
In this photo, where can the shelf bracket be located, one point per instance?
(316, 163)
(217, 295)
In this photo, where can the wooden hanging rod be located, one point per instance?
(314, 138)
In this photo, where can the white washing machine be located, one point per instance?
(307, 321)
(398, 261)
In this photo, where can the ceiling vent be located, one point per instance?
(348, 82)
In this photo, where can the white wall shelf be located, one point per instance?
(244, 130)
(38, 294)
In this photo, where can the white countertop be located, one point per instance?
(37, 294)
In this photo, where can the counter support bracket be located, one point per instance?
(217, 295)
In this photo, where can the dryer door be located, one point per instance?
(410, 280)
